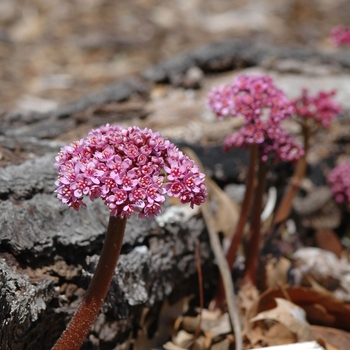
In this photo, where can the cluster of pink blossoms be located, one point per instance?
(276, 143)
(263, 106)
(130, 169)
(250, 96)
(340, 35)
(339, 179)
(322, 108)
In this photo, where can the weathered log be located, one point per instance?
(236, 53)
(44, 247)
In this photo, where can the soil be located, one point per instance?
(60, 52)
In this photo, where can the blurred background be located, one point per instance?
(53, 52)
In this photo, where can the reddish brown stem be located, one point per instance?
(285, 206)
(238, 234)
(252, 257)
(200, 285)
(78, 328)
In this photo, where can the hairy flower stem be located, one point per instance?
(247, 200)
(285, 206)
(78, 328)
(252, 256)
(245, 209)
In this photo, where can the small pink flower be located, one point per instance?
(80, 187)
(154, 193)
(151, 210)
(138, 194)
(132, 151)
(340, 35)
(339, 179)
(175, 189)
(280, 146)
(175, 171)
(106, 155)
(126, 182)
(221, 101)
(119, 196)
(126, 168)
(321, 107)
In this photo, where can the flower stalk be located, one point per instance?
(312, 112)
(285, 206)
(264, 106)
(78, 328)
(252, 256)
(131, 170)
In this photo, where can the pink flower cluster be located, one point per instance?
(339, 179)
(130, 169)
(250, 96)
(320, 107)
(263, 106)
(340, 35)
(274, 142)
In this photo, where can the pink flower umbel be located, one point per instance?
(263, 106)
(253, 96)
(339, 179)
(130, 169)
(274, 143)
(321, 107)
(340, 35)
(312, 113)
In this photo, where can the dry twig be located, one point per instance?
(225, 274)
(224, 269)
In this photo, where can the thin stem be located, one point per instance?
(285, 206)
(225, 274)
(200, 285)
(238, 234)
(252, 257)
(78, 328)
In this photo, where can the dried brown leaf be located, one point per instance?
(223, 326)
(255, 335)
(168, 316)
(183, 339)
(201, 344)
(290, 315)
(333, 336)
(222, 345)
(323, 267)
(276, 272)
(306, 297)
(319, 312)
(278, 334)
(189, 323)
(171, 346)
(249, 296)
(327, 346)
